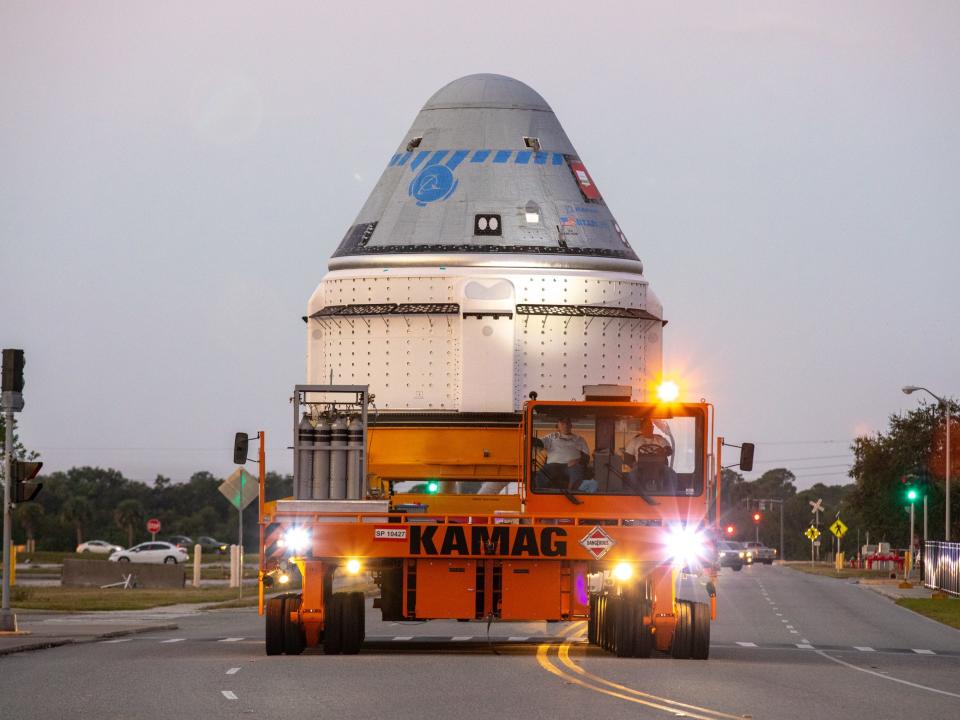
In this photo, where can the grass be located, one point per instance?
(84, 599)
(944, 611)
(828, 570)
(48, 557)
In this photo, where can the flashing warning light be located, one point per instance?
(668, 391)
(353, 566)
(433, 487)
(756, 517)
(730, 529)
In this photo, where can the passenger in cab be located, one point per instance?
(567, 459)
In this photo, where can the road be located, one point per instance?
(787, 645)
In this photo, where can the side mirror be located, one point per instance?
(746, 457)
(241, 443)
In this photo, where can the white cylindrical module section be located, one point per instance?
(321, 461)
(338, 459)
(354, 451)
(306, 437)
(497, 334)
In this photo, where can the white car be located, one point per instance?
(152, 552)
(97, 546)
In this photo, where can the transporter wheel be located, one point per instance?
(294, 639)
(682, 643)
(592, 621)
(700, 641)
(644, 637)
(332, 625)
(351, 627)
(625, 622)
(602, 628)
(274, 626)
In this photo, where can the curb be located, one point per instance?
(59, 642)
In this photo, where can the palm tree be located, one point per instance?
(28, 515)
(77, 511)
(127, 515)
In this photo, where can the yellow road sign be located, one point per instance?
(812, 533)
(838, 528)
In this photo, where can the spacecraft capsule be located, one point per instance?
(484, 265)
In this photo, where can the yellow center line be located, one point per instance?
(563, 653)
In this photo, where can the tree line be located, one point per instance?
(88, 503)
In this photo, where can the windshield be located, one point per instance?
(616, 451)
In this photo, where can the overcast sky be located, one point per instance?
(174, 177)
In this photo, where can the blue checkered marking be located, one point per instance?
(455, 157)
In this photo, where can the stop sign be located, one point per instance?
(153, 525)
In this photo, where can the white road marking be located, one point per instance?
(228, 694)
(885, 677)
(779, 614)
(233, 671)
(117, 640)
(794, 632)
(404, 637)
(171, 640)
(804, 640)
(863, 648)
(518, 638)
(461, 638)
(231, 640)
(789, 627)
(923, 652)
(805, 646)
(784, 621)
(746, 644)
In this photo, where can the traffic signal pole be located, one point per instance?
(8, 621)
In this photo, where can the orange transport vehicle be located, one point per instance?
(567, 511)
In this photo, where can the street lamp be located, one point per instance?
(946, 407)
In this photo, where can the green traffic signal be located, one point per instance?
(912, 494)
(433, 487)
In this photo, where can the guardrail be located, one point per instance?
(941, 569)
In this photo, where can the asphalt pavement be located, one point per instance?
(786, 645)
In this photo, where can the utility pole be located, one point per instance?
(780, 503)
(11, 400)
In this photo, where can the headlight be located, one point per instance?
(296, 540)
(283, 578)
(353, 566)
(741, 554)
(623, 571)
(686, 546)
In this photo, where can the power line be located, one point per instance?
(800, 459)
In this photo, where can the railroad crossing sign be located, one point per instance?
(838, 528)
(817, 506)
(812, 533)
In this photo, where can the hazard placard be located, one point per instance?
(597, 542)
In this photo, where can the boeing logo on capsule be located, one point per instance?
(434, 179)
(434, 182)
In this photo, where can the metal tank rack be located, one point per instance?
(330, 441)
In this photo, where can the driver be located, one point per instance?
(646, 455)
(567, 456)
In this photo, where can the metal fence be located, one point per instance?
(941, 566)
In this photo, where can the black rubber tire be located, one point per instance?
(274, 626)
(643, 644)
(768, 562)
(602, 621)
(359, 601)
(169, 559)
(352, 624)
(736, 568)
(700, 640)
(626, 627)
(682, 643)
(333, 625)
(294, 639)
(592, 621)
(123, 559)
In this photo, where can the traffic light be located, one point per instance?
(433, 487)
(13, 363)
(911, 491)
(731, 529)
(756, 518)
(20, 473)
